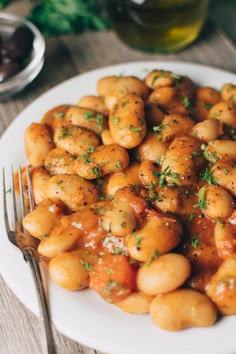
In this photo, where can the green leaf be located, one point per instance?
(201, 199)
(50, 22)
(67, 16)
(195, 242)
(4, 3)
(208, 177)
(186, 102)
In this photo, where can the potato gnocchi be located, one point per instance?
(135, 196)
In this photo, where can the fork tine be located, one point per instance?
(14, 200)
(30, 193)
(5, 202)
(22, 200)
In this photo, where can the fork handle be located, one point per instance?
(31, 257)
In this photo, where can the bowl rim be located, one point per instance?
(11, 83)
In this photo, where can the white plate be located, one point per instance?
(83, 315)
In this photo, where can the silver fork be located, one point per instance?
(27, 244)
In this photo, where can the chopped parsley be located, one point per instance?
(118, 250)
(109, 271)
(59, 182)
(123, 104)
(103, 196)
(161, 159)
(159, 128)
(195, 153)
(203, 147)
(118, 164)
(215, 115)
(195, 242)
(154, 79)
(208, 177)
(186, 102)
(207, 106)
(201, 199)
(65, 133)
(225, 170)
(132, 261)
(191, 216)
(60, 114)
(116, 121)
(87, 266)
(162, 73)
(135, 129)
(97, 171)
(221, 222)
(164, 174)
(210, 156)
(138, 239)
(88, 115)
(100, 210)
(154, 196)
(85, 158)
(151, 185)
(97, 119)
(175, 76)
(155, 255)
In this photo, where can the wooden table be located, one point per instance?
(66, 56)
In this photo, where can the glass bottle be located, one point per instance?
(158, 25)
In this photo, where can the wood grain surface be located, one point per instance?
(66, 56)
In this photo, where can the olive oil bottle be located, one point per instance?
(157, 25)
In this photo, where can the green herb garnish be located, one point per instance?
(191, 216)
(60, 114)
(135, 129)
(207, 106)
(159, 128)
(116, 121)
(208, 177)
(97, 171)
(123, 104)
(87, 266)
(97, 119)
(118, 164)
(65, 133)
(100, 210)
(85, 158)
(195, 242)
(201, 199)
(164, 174)
(210, 156)
(225, 170)
(118, 250)
(88, 115)
(155, 255)
(175, 76)
(221, 222)
(186, 102)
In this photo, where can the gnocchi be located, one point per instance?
(135, 192)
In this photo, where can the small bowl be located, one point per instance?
(16, 83)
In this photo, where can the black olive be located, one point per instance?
(18, 46)
(8, 70)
